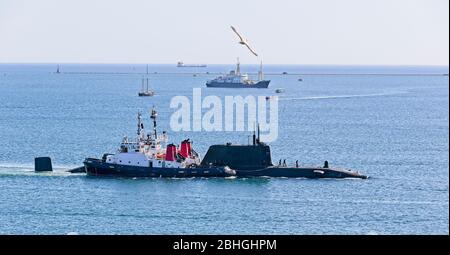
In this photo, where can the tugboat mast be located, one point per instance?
(140, 124)
(153, 116)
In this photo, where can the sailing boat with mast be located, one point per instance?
(145, 92)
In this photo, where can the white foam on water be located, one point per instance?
(31, 166)
(17, 165)
(26, 169)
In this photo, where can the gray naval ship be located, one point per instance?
(237, 80)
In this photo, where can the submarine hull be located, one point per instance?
(255, 161)
(96, 167)
(300, 172)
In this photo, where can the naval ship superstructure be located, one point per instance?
(235, 79)
(149, 155)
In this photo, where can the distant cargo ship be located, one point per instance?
(237, 80)
(181, 64)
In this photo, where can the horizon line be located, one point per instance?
(196, 63)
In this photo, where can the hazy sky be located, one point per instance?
(392, 32)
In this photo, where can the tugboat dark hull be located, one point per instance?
(258, 85)
(96, 167)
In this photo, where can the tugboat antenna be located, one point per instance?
(153, 116)
(139, 124)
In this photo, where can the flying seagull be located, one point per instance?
(243, 41)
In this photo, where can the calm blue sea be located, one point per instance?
(394, 128)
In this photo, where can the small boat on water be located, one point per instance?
(145, 92)
(279, 90)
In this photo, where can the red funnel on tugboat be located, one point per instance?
(171, 152)
(185, 149)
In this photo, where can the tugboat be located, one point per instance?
(237, 80)
(255, 161)
(146, 92)
(149, 155)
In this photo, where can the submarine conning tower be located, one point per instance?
(238, 156)
(244, 157)
(42, 164)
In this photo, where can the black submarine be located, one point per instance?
(255, 161)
